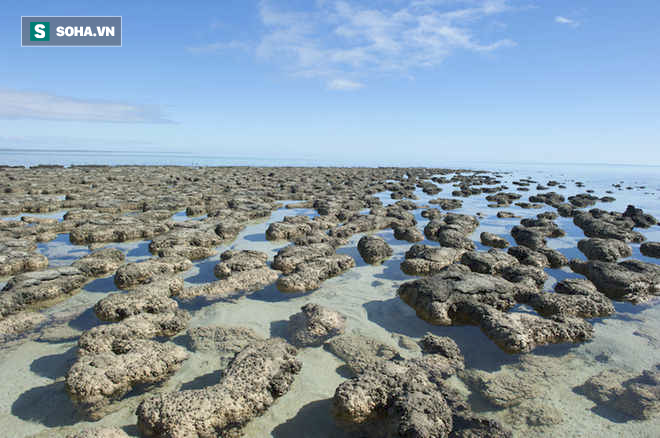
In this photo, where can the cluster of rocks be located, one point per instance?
(305, 267)
(396, 397)
(388, 395)
(239, 273)
(607, 225)
(115, 358)
(19, 255)
(25, 294)
(452, 230)
(531, 236)
(456, 295)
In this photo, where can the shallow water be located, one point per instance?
(34, 402)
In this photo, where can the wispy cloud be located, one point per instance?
(219, 47)
(344, 42)
(563, 20)
(344, 85)
(15, 104)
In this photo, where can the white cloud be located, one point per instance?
(341, 38)
(219, 46)
(16, 104)
(563, 20)
(344, 85)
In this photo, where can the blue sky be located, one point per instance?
(392, 81)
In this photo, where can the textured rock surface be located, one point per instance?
(314, 325)
(258, 375)
(306, 267)
(572, 297)
(132, 274)
(100, 262)
(38, 289)
(458, 296)
(18, 324)
(394, 397)
(601, 224)
(409, 234)
(650, 249)
(239, 261)
(635, 396)
(18, 256)
(101, 339)
(427, 260)
(374, 249)
(105, 432)
(221, 339)
(147, 298)
(630, 280)
(452, 230)
(606, 250)
(490, 239)
(237, 284)
(96, 380)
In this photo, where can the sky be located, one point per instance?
(391, 81)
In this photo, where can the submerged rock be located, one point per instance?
(315, 325)
(635, 396)
(104, 432)
(374, 249)
(18, 324)
(258, 375)
(221, 339)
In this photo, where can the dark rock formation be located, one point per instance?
(650, 249)
(374, 249)
(630, 280)
(606, 250)
(427, 260)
